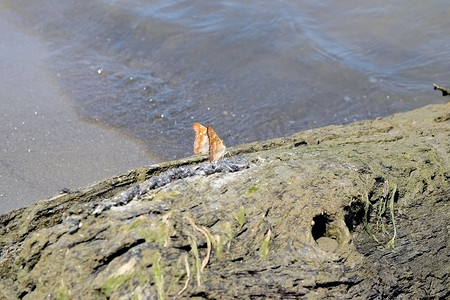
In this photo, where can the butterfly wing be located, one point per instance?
(201, 143)
(216, 147)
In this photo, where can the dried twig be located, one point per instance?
(445, 91)
(208, 242)
(188, 272)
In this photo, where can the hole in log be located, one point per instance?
(319, 227)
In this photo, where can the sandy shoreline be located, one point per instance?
(45, 147)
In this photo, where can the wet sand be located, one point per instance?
(44, 146)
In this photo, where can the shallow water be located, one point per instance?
(252, 69)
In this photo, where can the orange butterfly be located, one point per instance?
(207, 142)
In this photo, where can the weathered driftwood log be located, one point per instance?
(341, 212)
